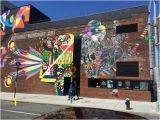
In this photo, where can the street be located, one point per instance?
(25, 110)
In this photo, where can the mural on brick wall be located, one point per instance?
(51, 62)
(99, 54)
(58, 54)
(15, 19)
(30, 62)
(100, 50)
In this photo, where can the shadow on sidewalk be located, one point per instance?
(88, 113)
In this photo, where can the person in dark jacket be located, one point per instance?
(71, 91)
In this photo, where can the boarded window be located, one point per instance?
(127, 28)
(129, 69)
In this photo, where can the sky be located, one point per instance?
(57, 10)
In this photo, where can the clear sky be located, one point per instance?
(68, 9)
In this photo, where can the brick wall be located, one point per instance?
(33, 85)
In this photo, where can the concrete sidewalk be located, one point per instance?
(110, 104)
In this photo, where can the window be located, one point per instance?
(129, 69)
(120, 84)
(103, 83)
(127, 85)
(136, 85)
(126, 28)
(109, 83)
(144, 85)
(94, 82)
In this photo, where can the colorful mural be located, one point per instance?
(99, 52)
(52, 63)
(59, 48)
(14, 19)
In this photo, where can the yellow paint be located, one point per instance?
(15, 101)
(9, 81)
(12, 44)
(17, 21)
(63, 60)
(71, 39)
(102, 28)
(46, 79)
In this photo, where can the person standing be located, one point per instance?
(73, 78)
(71, 90)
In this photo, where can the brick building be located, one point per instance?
(108, 49)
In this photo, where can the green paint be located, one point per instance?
(107, 72)
(149, 37)
(32, 71)
(65, 65)
(46, 55)
(28, 14)
(57, 53)
(33, 53)
(11, 19)
(96, 76)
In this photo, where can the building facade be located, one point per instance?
(108, 49)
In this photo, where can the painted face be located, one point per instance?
(8, 81)
(12, 46)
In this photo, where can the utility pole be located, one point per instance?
(150, 41)
(156, 67)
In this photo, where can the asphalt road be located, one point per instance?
(25, 110)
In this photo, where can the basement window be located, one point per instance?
(127, 28)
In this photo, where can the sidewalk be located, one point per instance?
(110, 104)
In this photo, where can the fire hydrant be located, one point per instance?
(127, 103)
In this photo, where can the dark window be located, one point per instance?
(104, 84)
(136, 85)
(129, 69)
(94, 82)
(126, 28)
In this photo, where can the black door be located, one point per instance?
(66, 85)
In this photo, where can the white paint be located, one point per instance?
(33, 34)
(20, 112)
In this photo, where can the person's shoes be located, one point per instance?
(74, 99)
(68, 98)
